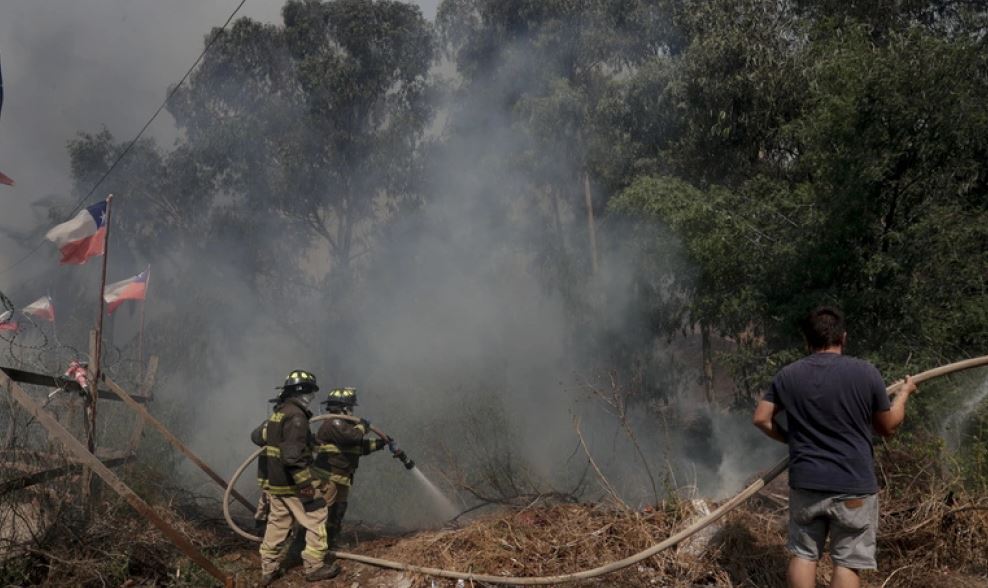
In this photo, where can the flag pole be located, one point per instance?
(96, 370)
(140, 346)
(140, 338)
(54, 326)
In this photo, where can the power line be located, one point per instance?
(133, 141)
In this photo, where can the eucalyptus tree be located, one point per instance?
(546, 67)
(317, 121)
(296, 142)
(824, 165)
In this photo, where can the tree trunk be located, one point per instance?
(557, 220)
(708, 364)
(591, 225)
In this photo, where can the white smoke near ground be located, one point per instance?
(456, 339)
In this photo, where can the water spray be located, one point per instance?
(396, 452)
(614, 566)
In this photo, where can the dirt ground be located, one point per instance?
(747, 548)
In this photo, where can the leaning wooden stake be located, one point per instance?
(55, 473)
(129, 401)
(144, 509)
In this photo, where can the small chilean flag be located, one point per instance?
(41, 308)
(82, 237)
(5, 323)
(135, 288)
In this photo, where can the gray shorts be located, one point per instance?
(851, 520)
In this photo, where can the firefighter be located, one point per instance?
(340, 444)
(285, 475)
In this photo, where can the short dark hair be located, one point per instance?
(824, 327)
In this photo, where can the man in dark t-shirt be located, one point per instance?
(833, 404)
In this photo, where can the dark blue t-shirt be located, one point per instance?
(829, 401)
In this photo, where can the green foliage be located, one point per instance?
(318, 120)
(298, 143)
(749, 160)
(548, 69)
(806, 163)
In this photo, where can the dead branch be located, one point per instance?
(600, 475)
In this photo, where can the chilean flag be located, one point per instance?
(82, 237)
(135, 288)
(41, 308)
(5, 323)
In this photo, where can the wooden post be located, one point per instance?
(140, 333)
(140, 345)
(175, 442)
(144, 509)
(89, 422)
(95, 368)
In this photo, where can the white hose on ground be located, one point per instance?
(675, 539)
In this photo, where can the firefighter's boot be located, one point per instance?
(292, 555)
(334, 524)
(270, 577)
(327, 571)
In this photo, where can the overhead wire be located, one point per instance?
(79, 204)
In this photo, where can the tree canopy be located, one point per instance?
(785, 154)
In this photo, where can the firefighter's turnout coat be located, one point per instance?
(340, 443)
(285, 464)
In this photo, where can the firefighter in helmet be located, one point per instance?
(285, 475)
(340, 444)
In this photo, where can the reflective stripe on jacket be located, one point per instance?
(285, 464)
(340, 445)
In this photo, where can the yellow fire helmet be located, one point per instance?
(342, 397)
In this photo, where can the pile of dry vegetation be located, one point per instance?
(934, 531)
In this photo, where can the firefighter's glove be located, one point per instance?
(366, 424)
(392, 445)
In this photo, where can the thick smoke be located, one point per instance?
(73, 66)
(464, 344)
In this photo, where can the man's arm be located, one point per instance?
(258, 436)
(372, 445)
(764, 419)
(887, 421)
(343, 433)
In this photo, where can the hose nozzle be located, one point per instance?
(400, 455)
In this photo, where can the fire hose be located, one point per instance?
(671, 541)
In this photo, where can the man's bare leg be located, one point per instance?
(845, 578)
(801, 573)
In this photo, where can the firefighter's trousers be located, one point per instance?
(311, 515)
(336, 496)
